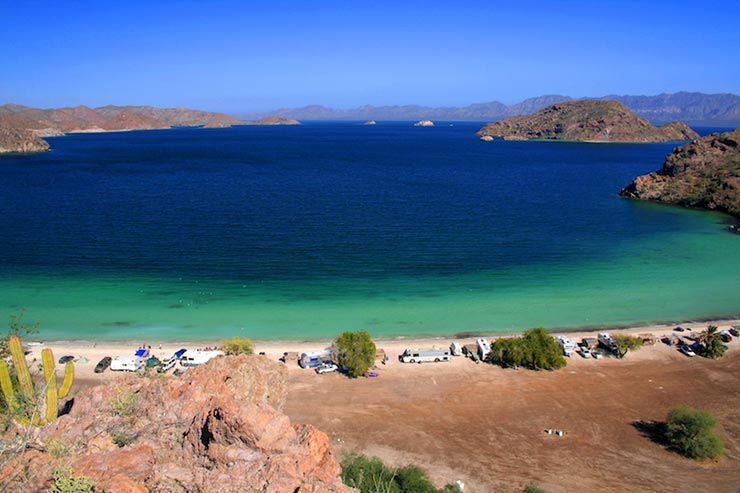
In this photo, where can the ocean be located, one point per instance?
(302, 232)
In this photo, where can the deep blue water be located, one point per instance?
(326, 211)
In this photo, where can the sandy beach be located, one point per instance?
(486, 425)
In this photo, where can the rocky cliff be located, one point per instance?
(586, 121)
(218, 428)
(704, 173)
(16, 137)
(59, 121)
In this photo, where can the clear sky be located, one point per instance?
(252, 56)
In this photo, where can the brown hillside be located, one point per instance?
(587, 121)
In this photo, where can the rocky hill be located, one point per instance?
(694, 108)
(16, 137)
(704, 173)
(218, 428)
(587, 121)
(275, 120)
(23, 120)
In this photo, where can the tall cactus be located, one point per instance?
(25, 384)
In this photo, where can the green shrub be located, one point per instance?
(690, 432)
(355, 351)
(64, 481)
(626, 343)
(533, 488)
(370, 475)
(238, 345)
(536, 349)
(123, 439)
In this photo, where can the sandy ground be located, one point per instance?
(486, 425)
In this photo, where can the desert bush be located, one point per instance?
(533, 488)
(690, 432)
(371, 475)
(125, 402)
(355, 351)
(238, 345)
(626, 343)
(123, 438)
(65, 481)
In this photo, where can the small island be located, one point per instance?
(703, 174)
(585, 121)
(275, 120)
(424, 123)
(370, 122)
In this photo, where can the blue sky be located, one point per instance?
(253, 56)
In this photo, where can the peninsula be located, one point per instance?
(585, 121)
(21, 127)
(704, 174)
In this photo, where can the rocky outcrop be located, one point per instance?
(16, 137)
(218, 428)
(586, 121)
(704, 173)
(275, 120)
(424, 123)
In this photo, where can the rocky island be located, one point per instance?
(21, 127)
(275, 120)
(424, 123)
(585, 121)
(704, 174)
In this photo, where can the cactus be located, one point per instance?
(25, 384)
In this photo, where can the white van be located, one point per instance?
(197, 358)
(484, 348)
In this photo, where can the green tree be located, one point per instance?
(238, 345)
(690, 432)
(414, 478)
(711, 344)
(18, 328)
(626, 343)
(536, 349)
(355, 351)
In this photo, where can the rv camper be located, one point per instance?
(127, 363)
(171, 360)
(484, 348)
(607, 342)
(425, 356)
(197, 358)
(314, 359)
(567, 345)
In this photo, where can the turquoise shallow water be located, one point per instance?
(205, 235)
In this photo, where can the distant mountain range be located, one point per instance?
(694, 108)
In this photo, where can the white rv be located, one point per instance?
(197, 357)
(484, 348)
(315, 359)
(607, 342)
(425, 355)
(567, 345)
(127, 363)
(456, 349)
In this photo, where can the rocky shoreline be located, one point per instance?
(703, 174)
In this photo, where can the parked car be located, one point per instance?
(667, 341)
(725, 336)
(326, 368)
(596, 354)
(103, 364)
(687, 350)
(679, 329)
(65, 359)
(370, 374)
(585, 352)
(735, 332)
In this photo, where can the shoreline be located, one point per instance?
(93, 351)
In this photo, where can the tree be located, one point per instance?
(711, 344)
(238, 345)
(355, 351)
(690, 432)
(625, 343)
(16, 328)
(536, 349)
(371, 475)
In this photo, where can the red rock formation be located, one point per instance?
(15, 136)
(588, 121)
(218, 428)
